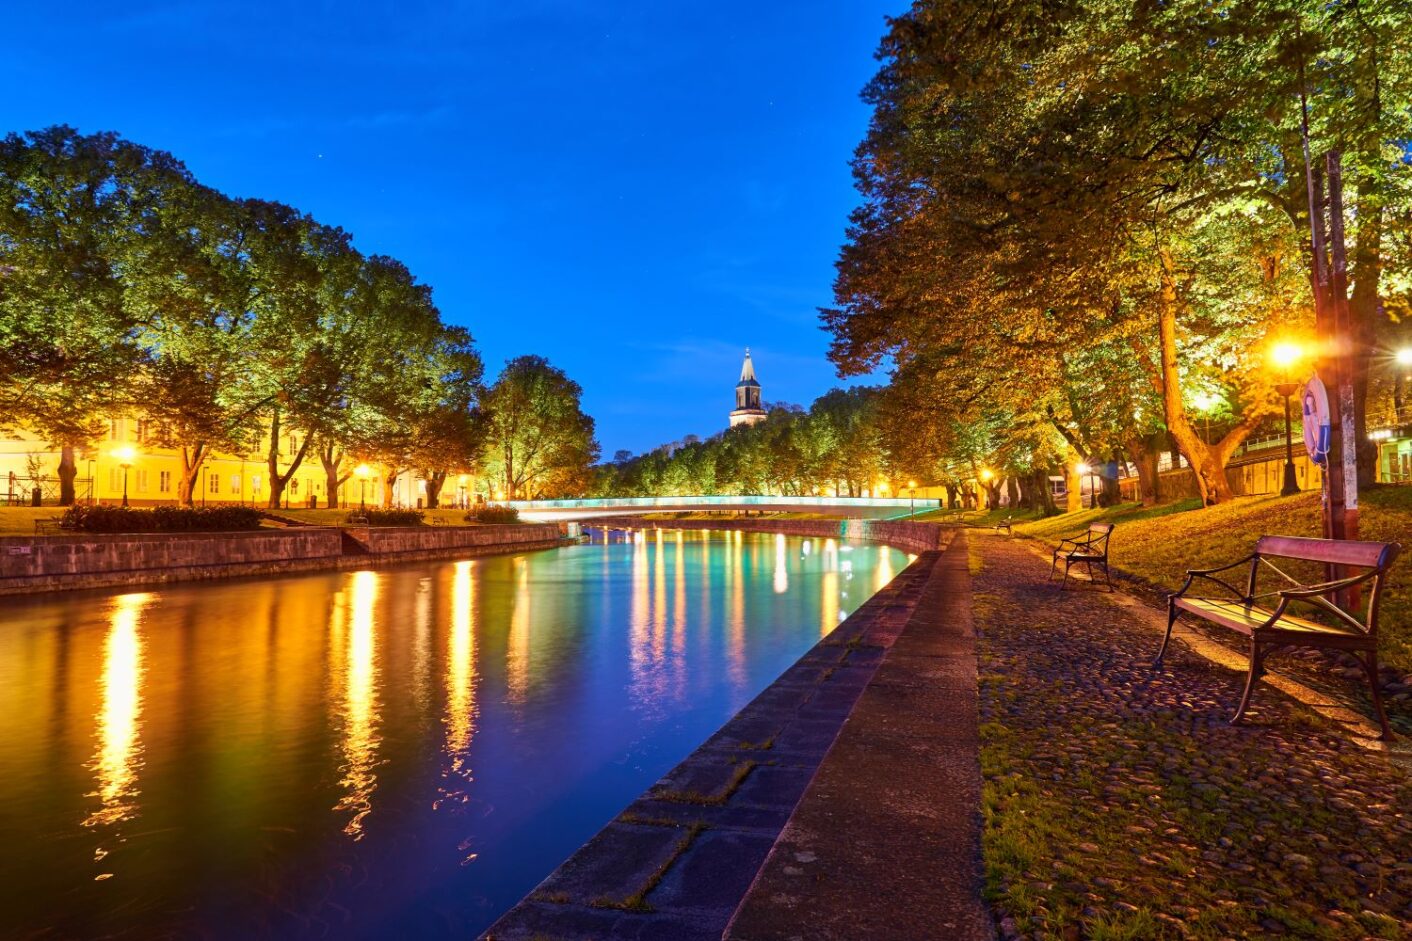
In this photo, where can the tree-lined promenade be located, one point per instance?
(128, 288)
(1087, 227)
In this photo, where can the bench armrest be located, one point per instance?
(1221, 568)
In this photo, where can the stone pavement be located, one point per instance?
(885, 843)
(1120, 802)
(676, 863)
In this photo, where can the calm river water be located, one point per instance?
(393, 753)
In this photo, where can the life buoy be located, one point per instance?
(1318, 426)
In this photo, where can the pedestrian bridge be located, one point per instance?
(545, 511)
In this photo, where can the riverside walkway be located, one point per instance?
(848, 800)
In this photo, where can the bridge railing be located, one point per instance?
(716, 501)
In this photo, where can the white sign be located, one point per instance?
(1317, 424)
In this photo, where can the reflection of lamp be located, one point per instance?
(125, 456)
(1285, 355)
(362, 471)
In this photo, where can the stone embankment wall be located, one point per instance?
(909, 537)
(31, 564)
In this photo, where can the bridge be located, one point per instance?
(546, 511)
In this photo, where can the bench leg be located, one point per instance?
(1107, 576)
(1370, 664)
(1053, 566)
(1256, 668)
(1167, 638)
(1064, 584)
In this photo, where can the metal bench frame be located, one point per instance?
(1272, 629)
(1088, 550)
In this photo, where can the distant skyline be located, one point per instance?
(637, 194)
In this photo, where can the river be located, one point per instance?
(401, 752)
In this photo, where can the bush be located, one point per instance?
(493, 513)
(162, 519)
(387, 517)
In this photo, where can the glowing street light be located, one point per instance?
(1084, 470)
(912, 492)
(362, 471)
(1285, 356)
(125, 455)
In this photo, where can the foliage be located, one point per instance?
(493, 513)
(539, 441)
(162, 519)
(384, 517)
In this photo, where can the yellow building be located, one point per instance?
(153, 473)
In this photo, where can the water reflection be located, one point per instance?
(828, 587)
(461, 670)
(360, 737)
(517, 652)
(781, 565)
(119, 750)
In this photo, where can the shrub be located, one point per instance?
(162, 519)
(493, 513)
(387, 517)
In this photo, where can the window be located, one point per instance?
(164, 481)
(234, 483)
(141, 434)
(112, 429)
(215, 483)
(255, 484)
(141, 480)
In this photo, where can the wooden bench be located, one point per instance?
(50, 527)
(1264, 617)
(1005, 524)
(1087, 550)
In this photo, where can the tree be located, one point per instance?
(539, 441)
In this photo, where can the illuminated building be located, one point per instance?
(747, 396)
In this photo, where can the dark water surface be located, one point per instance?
(393, 753)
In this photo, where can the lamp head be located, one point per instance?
(1404, 356)
(1082, 469)
(363, 471)
(125, 454)
(911, 485)
(987, 474)
(1285, 354)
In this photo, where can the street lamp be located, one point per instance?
(461, 491)
(987, 475)
(362, 471)
(912, 492)
(1083, 470)
(1285, 355)
(125, 457)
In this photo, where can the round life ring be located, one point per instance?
(1317, 422)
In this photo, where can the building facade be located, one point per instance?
(748, 410)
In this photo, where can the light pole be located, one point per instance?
(362, 471)
(125, 455)
(1083, 470)
(1286, 355)
(986, 476)
(912, 493)
(92, 482)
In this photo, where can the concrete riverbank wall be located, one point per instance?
(909, 537)
(30, 564)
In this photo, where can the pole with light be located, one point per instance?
(1284, 356)
(987, 475)
(1084, 470)
(362, 471)
(125, 457)
(912, 492)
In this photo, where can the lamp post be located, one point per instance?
(92, 482)
(912, 493)
(125, 455)
(1083, 470)
(362, 471)
(1285, 355)
(987, 475)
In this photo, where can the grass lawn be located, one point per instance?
(1160, 543)
(19, 520)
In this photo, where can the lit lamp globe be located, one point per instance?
(362, 472)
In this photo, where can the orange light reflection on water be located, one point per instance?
(119, 754)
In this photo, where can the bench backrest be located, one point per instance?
(1363, 555)
(1102, 529)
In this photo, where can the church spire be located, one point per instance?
(748, 409)
(747, 368)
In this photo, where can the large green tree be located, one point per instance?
(539, 441)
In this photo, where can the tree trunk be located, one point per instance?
(68, 470)
(1112, 492)
(1144, 454)
(332, 459)
(435, 481)
(1012, 487)
(953, 494)
(191, 461)
(279, 481)
(1073, 483)
(1043, 494)
(1364, 306)
(389, 485)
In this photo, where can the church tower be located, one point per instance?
(747, 396)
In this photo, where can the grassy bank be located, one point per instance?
(1160, 543)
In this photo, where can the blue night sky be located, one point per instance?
(636, 190)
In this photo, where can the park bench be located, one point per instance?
(50, 527)
(1264, 616)
(357, 519)
(1087, 550)
(1005, 524)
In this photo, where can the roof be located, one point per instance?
(747, 371)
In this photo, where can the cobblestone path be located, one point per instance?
(1120, 803)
